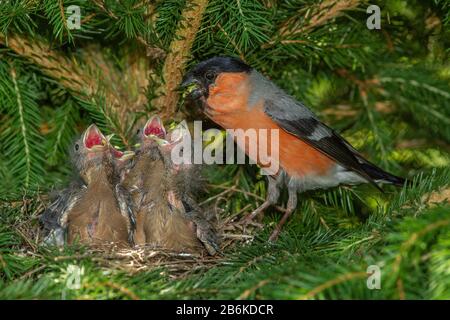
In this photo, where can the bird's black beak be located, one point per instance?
(192, 87)
(188, 80)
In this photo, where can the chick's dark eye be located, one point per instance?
(77, 146)
(138, 130)
(210, 75)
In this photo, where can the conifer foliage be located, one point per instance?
(67, 63)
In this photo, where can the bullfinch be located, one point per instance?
(309, 154)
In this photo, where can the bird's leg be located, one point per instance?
(291, 205)
(272, 198)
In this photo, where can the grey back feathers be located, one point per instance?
(262, 89)
(295, 118)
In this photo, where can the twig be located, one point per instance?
(74, 257)
(235, 189)
(30, 273)
(178, 56)
(314, 17)
(248, 292)
(341, 278)
(237, 236)
(122, 289)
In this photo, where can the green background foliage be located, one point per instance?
(386, 91)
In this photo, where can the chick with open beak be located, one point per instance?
(186, 183)
(95, 209)
(161, 218)
(134, 179)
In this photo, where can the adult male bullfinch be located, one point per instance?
(92, 209)
(310, 154)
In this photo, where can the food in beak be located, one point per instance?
(192, 87)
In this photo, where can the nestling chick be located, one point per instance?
(161, 218)
(185, 183)
(94, 209)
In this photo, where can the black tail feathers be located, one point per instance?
(379, 175)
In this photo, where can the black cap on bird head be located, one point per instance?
(200, 77)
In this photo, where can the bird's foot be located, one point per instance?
(249, 219)
(275, 234)
(245, 223)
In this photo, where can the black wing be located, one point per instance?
(303, 124)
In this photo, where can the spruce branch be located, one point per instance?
(64, 125)
(179, 53)
(23, 129)
(88, 76)
(440, 268)
(152, 51)
(333, 282)
(324, 12)
(20, 139)
(67, 72)
(17, 15)
(233, 43)
(411, 241)
(307, 19)
(55, 12)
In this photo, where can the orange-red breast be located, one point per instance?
(310, 154)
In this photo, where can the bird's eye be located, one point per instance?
(138, 130)
(77, 146)
(210, 75)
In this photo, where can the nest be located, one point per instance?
(175, 264)
(231, 229)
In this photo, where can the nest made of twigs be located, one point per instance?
(139, 258)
